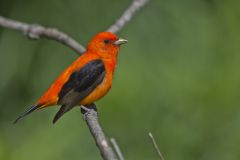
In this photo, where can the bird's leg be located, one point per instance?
(87, 109)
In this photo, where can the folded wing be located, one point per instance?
(79, 85)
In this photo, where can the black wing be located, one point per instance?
(80, 84)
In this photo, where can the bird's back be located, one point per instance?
(50, 97)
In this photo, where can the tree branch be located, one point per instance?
(91, 117)
(127, 15)
(117, 149)
(34, 31)
(155, 146)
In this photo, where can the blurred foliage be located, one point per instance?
(178, 77)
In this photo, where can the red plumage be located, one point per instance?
(86, 80)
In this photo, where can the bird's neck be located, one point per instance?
(110, 64)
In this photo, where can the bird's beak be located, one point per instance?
(120, 41)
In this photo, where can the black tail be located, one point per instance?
(60, 113)
(27, 112)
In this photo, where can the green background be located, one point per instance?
(178, 77)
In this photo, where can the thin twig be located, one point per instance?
(127, 15)
(156, 146)
(117, 149)
(35, 31)
(91, 117)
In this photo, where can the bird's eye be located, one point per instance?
(106, 41)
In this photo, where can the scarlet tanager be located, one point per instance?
(86, 80)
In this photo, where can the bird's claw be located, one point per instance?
(85, 110)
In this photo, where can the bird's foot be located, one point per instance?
(85, 110)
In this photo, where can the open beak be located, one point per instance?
(120, 41)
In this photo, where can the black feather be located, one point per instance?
(27, 112)
(79, 85)
(83, 79)
(61, 111)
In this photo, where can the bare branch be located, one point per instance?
(127, 15)
(156, 146)
(35, 31)
(91, 117)
(117, 149)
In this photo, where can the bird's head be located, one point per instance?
(105, 44)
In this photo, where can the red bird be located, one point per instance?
(86, 80)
